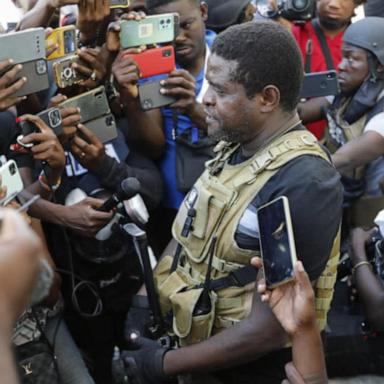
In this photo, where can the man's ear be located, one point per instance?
(269, 98)
(204, 10)
(380, 68)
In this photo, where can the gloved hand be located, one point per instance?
(145, 364)
(138, 317)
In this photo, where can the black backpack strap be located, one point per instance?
(323, 44)
(378, 108)
(239, 278)
(308, 56)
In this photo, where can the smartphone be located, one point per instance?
(10, 177)
(319, 84)
(64, 74)
(119, 3)
(277, 243)
(93, 104)
(95, 113)
(156, 29)
(156, 61)
(51, 117)
(31, 56)
(151, 98)
(65, 38)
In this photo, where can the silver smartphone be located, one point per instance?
(10, 178)
(277, 242)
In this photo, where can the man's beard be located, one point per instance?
(332, 24)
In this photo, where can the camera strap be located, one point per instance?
(323, 43)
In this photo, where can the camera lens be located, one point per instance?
(300, 4)
(12, 169)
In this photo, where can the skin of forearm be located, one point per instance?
(371, 293)
(38, 16)
(148, 131)
(244, 342)
(312, 110)
(46, 211)
(308, 356)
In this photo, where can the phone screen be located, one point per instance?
(276, 241)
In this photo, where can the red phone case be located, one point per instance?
(155, 61)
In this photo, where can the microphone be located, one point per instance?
(128, 188)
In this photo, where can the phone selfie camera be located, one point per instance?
(54, 118)
(41, 67)
(12, 169)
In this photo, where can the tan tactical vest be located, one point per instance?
(220, 197)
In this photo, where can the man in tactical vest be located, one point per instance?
(204, 280)
(356, 119)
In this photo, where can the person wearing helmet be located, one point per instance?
(374, 8)
(356, 136)
(224, 13)
(356, 116)
(333, 18)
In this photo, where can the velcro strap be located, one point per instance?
(239, 278)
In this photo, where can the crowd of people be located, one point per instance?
(138, 142)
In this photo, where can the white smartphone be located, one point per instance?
(277, 243)
(10, 177)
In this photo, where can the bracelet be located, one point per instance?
(358, 265)
(44, 183)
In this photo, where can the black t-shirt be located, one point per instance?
(315, 195)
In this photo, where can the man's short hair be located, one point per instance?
(153, 4)
(266, 54)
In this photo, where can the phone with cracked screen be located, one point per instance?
(155, 29)
(320, 84)
(66, 40)
(28, 49)
(151, 98)
(277, 244)
(10, 178)
(153, 62)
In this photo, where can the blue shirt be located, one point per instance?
(172, 197)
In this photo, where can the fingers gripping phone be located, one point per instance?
(10, 178)
(27, 48)
(65, 38)
(156, 61)
(65, 74)
(277, 243)
(156, 29)
(319, 84)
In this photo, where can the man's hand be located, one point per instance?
(8, 85)
(46, 145)
(92, 13)
(70, 118)
(95, 68)
(50, 46)
(3, 190)
(88, 149)
(145, 363)
(293, 376)
(182, 85)
(83, 218)
(126, 74)
(359, 239)
(292, 303)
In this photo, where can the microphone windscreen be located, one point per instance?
(129, 188)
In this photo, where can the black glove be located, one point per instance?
(138, 317)
(145, 364)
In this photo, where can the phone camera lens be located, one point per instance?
(12, 169)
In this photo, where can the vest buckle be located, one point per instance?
(308, 140)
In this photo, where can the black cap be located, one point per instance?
(224, 13)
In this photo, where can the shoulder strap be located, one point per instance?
(378, 108)
(308, 56)
(323, 44)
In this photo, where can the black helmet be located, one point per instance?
(224, 13)
(367, 33)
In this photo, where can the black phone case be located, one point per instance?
(151, 98)
(320, 84)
